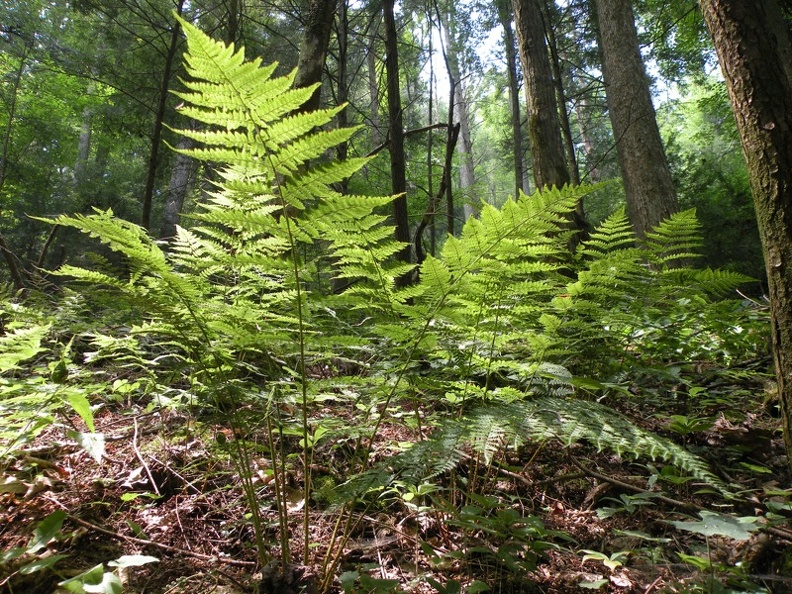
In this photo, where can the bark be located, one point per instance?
(561, 99)
(11, 260)
(232, 22)
(584, 126)
(647, 179)
(434, 200)
(373, 80)
(181, 182)
(430, 162)
(781, 29)
(84, 142)
(159, 120)
(467, 173)
(396, 134)
(313, 50)
(549, 162)
(342, 93)
(505, 18)
(761, 95)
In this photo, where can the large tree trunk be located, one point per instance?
(505, 18)
(647, 179)
(396, 133)
(549, 162)
(318, 22)
(761, 95)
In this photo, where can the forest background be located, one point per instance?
(630, 303)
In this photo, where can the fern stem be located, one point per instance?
(307, 454)
(280, 500)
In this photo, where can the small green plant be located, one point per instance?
(100, 580)
(626, 503)
(31, 559)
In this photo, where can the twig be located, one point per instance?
(143, 462)
(164, 547)
(603, 477)
(187, 483)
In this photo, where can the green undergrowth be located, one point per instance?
(505, 340)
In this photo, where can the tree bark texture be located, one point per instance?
(549, 162)
(182, 180)
(467, 173)
(318, 22)
(761, 95)
(13, 267)
(647, 179)
(159, 121)
(561, 98)
(505, 18)
(396, 132)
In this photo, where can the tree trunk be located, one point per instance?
(467, 174)
(396, 134)
(318, 19)
(647, 179)
(159, 121)
(342, 92)
(561, 99)
(181, 182)
(505, 18)
(430, 159)
(13, 267)
(84, 141)
(761, 95)
(549, 162)
(373, 86)
(584, 126)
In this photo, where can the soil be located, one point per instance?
(166, 488)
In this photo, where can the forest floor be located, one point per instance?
(166, 488)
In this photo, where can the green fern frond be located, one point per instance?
(20, 345)
(675, 239)
(491, 428)
(720, 283)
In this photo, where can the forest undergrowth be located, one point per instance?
(263, 404)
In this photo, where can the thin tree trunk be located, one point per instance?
(84, 141)
(505, 18)
(558, 81)
(373, 85)
(313, 50)
(430, 160)
(342, 93)
(159, 121)
(434, 200)
(584, 126)
(181, 182)
(467, 173)
(396, 134)
(761, 94)
(8, 255)
(549, 162)
(647, 179)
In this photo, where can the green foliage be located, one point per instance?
(488, 429)
(499, 343)
(709, 172)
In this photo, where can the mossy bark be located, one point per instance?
(751, 57)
